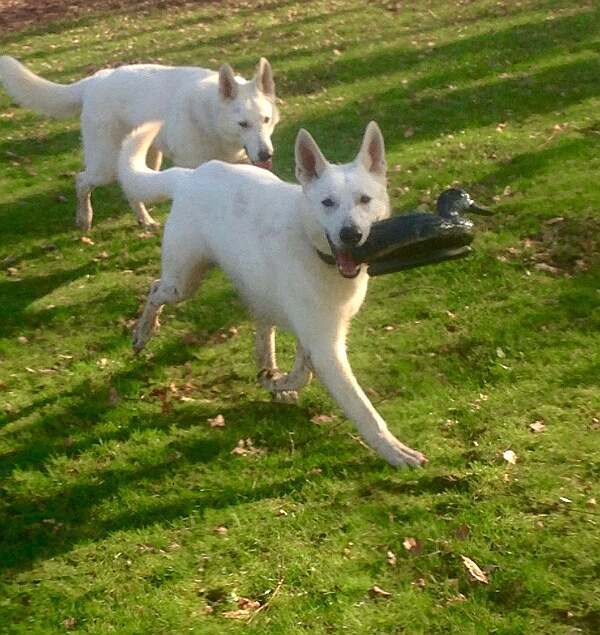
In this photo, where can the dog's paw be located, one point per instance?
(143, 331)
(150, 225)
(285, 396)
(400, 455)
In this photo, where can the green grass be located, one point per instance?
(112, 481)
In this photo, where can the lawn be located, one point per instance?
(123, 510)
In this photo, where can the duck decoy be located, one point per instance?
(416, 239)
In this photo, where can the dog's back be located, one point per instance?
(138, 93)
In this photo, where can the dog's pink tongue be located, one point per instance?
(265, 165)
(346, 264)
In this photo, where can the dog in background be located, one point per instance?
(207, 115)
(266, 234)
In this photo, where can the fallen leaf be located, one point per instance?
(217, 422)
(391, 558)
(509, 456)
(537, 426)
(247, 603)
(412, 545)
(542, 266)
(281, 512)
(113, 396)
(591, 502)
(86, 240)
(462, 532)
(22, 339)
(245, 447)
(377, 591)
(474, 571)
(221, 530)
(69, 623)
(500, 353)
(564, 499)
(238, 614)
(320, 419)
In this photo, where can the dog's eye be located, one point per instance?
(244, 124)
(365, 199)
(267, 119)
(328, 202)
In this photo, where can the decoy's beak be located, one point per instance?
(477, 209)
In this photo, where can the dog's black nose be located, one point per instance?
(350, 235)
(264, 155)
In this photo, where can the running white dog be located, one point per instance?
(266, 235)
(207, 115)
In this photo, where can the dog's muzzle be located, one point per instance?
(265, 160)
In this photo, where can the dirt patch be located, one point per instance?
(19, 14)
(562, 246)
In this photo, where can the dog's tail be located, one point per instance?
(32, 91)
(139, 182)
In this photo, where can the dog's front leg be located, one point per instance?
(331, 365)
(282, 386)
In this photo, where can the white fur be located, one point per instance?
(201, 109)
(264, 234)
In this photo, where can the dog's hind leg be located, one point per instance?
(329, 360)
(283, 387)
(85, 212)
(181, 277)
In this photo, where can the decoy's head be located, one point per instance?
(454, 201)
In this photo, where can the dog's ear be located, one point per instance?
(264, 77)
(228, 87)
(310, 161)
(372, 151)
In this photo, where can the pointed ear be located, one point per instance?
(372, 151)
(264, 77)
(310, 161)
(228, 87)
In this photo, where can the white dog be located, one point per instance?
(266, 235)
(206, 116)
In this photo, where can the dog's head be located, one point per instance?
(343, 200)
(248, 112)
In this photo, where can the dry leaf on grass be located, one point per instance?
(413, 546)
(474, 571)
(217, 422)
(246, 608)
(221, 530)
(238, 614)
(391, 558)
(509, 456)
(537, 426)
(462, 532)
(70, 623)
(113, 396)
(246, 447)
(376, 591)
(247, 603)
(320, 419)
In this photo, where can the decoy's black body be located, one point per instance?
(419, 238)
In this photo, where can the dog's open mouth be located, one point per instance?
(265, 165)
(344, 260)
